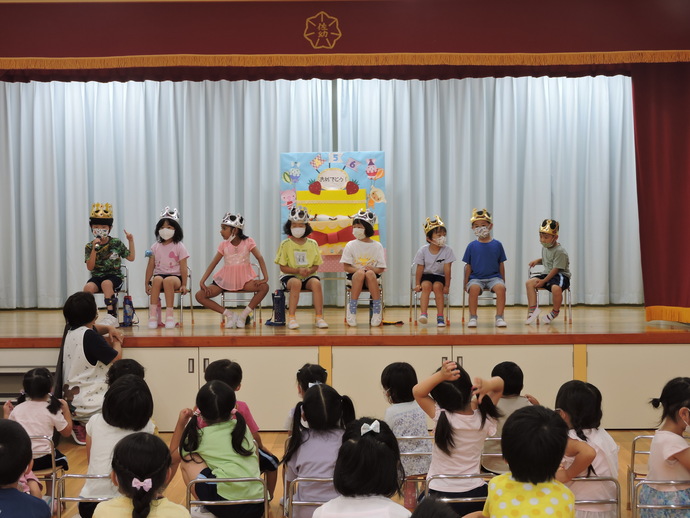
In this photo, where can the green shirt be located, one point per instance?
(299, 256)
(215, 448)
(108, 257)
(555, 257)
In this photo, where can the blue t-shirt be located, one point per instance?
(15, 504)
(484, 258)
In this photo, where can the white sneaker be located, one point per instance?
(351, 318)
(423, 319)
(109, 320)
(532, 317)
(199, 511)
(376, 319)
(240, 322)
(230, 320)
(321, 323)
(292, 324)
(546, 319)
(170, 323)
(472, 322)
(500, 322)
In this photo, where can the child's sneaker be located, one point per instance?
(199, 511)
(376, 319)
(440, 321)
(170, 323)
(153, 322)
(423, 318)
(351, 318)
(500, 322)
(79, 433)
(292, 324)
(532, 317)
(321, 323)
(472, 322)
(240, 322)
(546, 319)
(230, 320)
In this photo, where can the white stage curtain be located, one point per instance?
(525, 148)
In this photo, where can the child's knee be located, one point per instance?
(499, 288)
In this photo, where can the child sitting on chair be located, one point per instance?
(364, 262)
(556, 276)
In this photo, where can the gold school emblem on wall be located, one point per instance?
(322, 31)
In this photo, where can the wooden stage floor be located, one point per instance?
(591, 324)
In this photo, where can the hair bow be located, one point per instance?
(313, 384)
(139, 484)
(373, 427)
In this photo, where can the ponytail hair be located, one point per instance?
(582, 402)
(324, 409)
(141, 462)
(455, 396)
(216, 402)
(674, 396)
(37, 384)
(311, 373)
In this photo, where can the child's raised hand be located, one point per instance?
(450, 370)
(532, 399)
(481, 388)
(129, 236)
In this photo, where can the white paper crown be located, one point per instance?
(169, 214)
(298, 214)
(365, 215)
(233, 220)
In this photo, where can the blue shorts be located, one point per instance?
(557, 280)
(485, 284)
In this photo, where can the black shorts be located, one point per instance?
(209, 491)
(115, 279)
(46, 462)
(285, 278)
(267, 461)
(432, 278)
(349, 276)
(557, 280)
(165, 276)
(463, 508)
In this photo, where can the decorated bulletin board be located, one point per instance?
(333, 186)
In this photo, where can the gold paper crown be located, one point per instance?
(549, 226)
(365, 215)
(480, 215)
(169, 214)
(104, 211)
(298, 214)
(432, 224)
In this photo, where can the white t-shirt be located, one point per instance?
(361, 507)
(36, 419)
(408, 419)
(103, 440)
(605, 464)
(661, 466)
(465, 457)
(360, 253)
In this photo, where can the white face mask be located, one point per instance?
(100, 232)
(440, 241)
(297, 231)
(482, 232)
(359, 233)
(166, 233)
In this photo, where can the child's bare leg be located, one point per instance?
(295, 286)
(108, 291)
(474, 292)
(191, 470)
(170, 286)
(206, 300)
(260, 291)
(314, 285)
(557, 294)
(373, 285)
(438, 294)
(530, 286)
(424, 299)
(500, 291)
(358, 279)
(271, 481)
(156, 285)
(90, 287)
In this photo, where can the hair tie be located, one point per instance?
(233, 413)
(22, 393)
(145, 485)
(313, 384)
(196, 413)
(373, 427)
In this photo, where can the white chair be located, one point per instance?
(415, 298)
(606, 503)
(637, 505)
(290, 503)
(637, 470)
(62, 491)
(537, 270)
(190, 501)
(242, 297)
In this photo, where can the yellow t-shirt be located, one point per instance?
(509, 498)
(298, 256)
(121, 507)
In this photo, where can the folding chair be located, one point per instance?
(414, 443)
(290, 503)
(604, 502)
(190, 501)
(415, 298)
(637, 505)
(231, 296)
(484, 296)
(567, 293)
(637, 470)
(62, 483)
(191, 296)
(52, 474)
(362, 296)
(492, 451)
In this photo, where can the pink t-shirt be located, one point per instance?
(167, 258)
(36, 419)
(661, 466)
(465, 457)
(237, 269)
